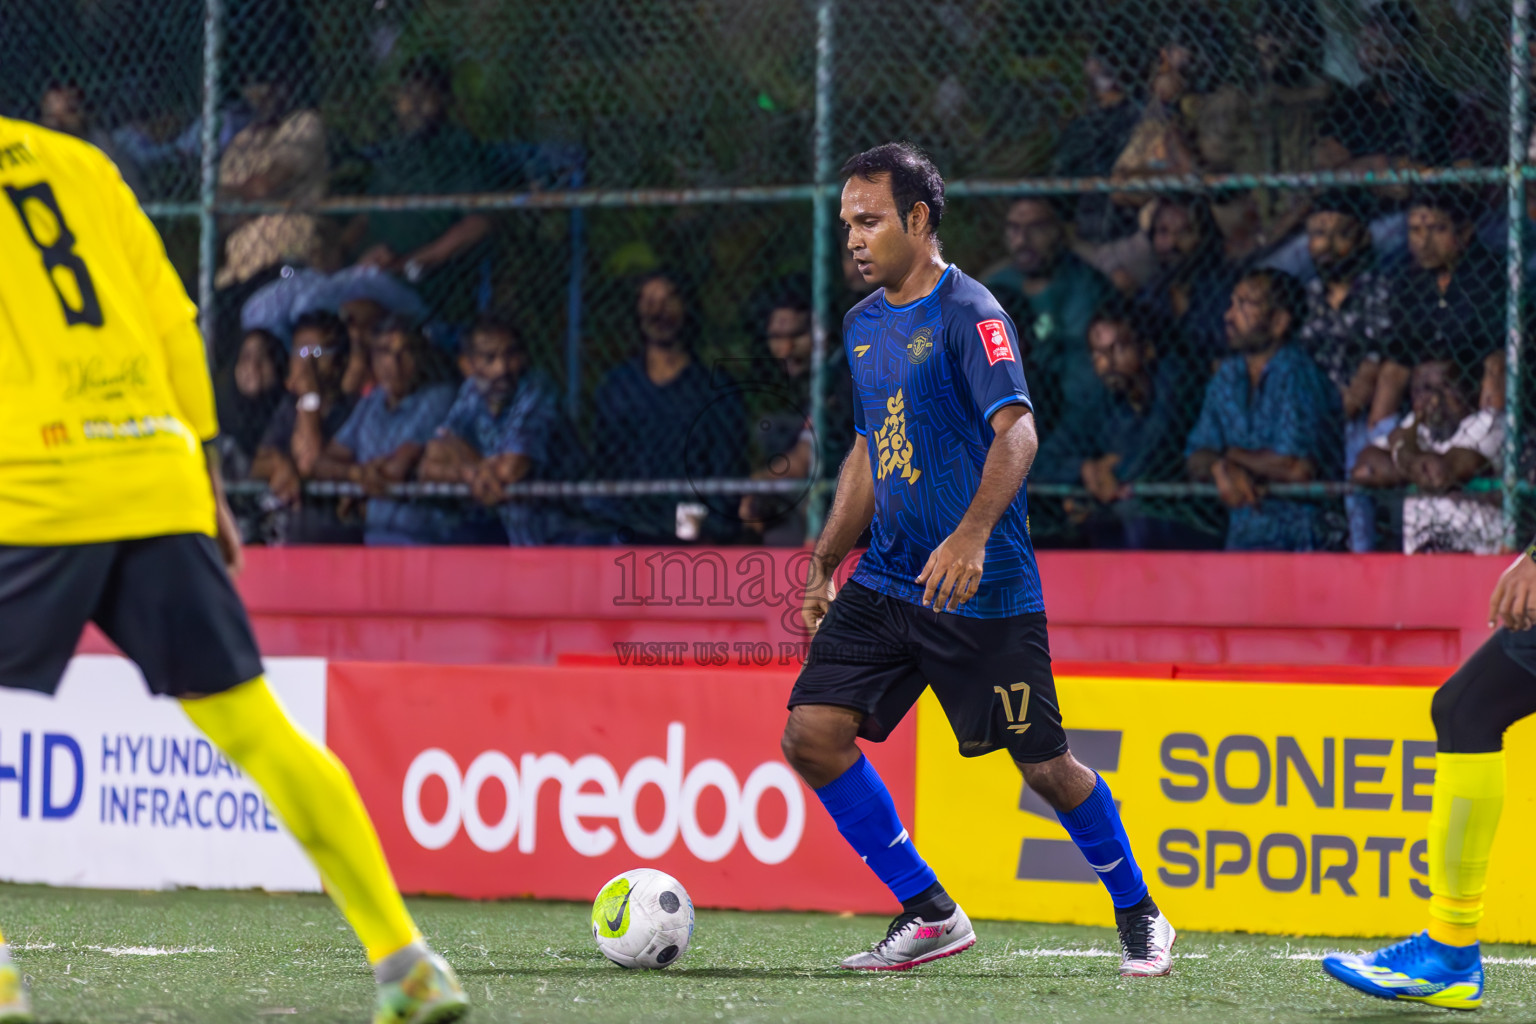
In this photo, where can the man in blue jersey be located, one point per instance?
(947, 594)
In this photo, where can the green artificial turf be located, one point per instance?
(257, 957)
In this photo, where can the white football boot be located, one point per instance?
(911, 941)
(1146, 945)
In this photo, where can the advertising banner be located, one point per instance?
(104, 785)
(1259, 807)
(546, 782)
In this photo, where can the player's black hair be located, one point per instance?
(330, 327)
(1464, 205)
(914, 179)
(494, 323)
(1285, 291)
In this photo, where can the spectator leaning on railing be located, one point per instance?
(384, 438)
(505, 426)
(1270, 416)
(1128, 429)
(1442, 444)
(303, 424)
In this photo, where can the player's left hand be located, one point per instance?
(1513, 604)
(953, 572)
(228, 540)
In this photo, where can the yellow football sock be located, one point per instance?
(313, 794)
(1469, 795)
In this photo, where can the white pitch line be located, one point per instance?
(1095, 952)
(150, 950)
(1509, 961)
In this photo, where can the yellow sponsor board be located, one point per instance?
(1260, 807)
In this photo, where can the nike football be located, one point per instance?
(643, 918)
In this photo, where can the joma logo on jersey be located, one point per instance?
(55, 434)
(995, 338)
(894, 444)
(920, 345)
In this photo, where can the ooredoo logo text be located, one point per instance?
(593, 798)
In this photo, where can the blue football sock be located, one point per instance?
(862, 808)
(1095, 827)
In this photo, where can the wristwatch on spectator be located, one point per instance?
(309, 402)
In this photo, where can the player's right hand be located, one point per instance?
(1513, 604)
(819, 592)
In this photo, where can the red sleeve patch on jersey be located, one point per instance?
(995, 338)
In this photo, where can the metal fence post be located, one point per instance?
(821, 257)
(1519, 70)
(573, 310)
(208, 229)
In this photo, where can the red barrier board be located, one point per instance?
(532, 605)
(513, 781)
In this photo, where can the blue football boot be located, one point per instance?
(1417, 969)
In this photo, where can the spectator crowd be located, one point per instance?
(1242, 338)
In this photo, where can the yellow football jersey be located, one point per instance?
(104, 390)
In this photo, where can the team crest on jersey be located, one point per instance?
(995, 337)
(920, 345)
(893, 443)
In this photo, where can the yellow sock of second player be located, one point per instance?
(1469, 797)
(317, 801)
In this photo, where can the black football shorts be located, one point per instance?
(877, 654)
(167, 603)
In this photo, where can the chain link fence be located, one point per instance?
(616, 219)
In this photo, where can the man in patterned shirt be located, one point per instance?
(383, 439)
(505, 426)
(1270, 415)
(1347, 323)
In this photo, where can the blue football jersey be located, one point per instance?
(927, 378)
